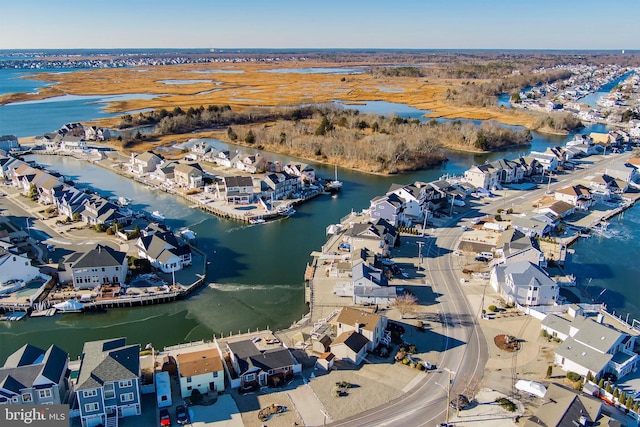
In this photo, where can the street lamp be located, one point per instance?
(448, 389)
(453, 198)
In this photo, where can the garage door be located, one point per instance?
(129, 411)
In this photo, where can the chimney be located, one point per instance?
(600, 318)
(357, 325)
(583, 420)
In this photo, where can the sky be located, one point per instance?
(408, 24)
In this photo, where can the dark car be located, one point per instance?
(182, 416)
(165, 418)
(482, 258)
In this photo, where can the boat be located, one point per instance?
(335, 185)
(188, 234)
(123, 201)
(11, 286)
(256, 221)
(69, 306)
(157, 215)
(286, 210)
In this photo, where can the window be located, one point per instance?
(90, 393)
(188, 379)
(215, 374)
(44, 394)
(91, 407)
(126, 397)
(250, 377)
(123, 384)
(27, 397)
(188, 387)
(109, 391)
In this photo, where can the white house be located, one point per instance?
(389, 208)
(302, 171)
(15, 267)
(99, 266)
(591, 346)
(482, 176)
(73, 144)
(576, 195)
(524, 283)
(188, 176)
(144, 163)
(549, 162)
(200, 370)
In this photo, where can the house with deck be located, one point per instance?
(98, 210)
(73, 144)
(251, 164)
(144, 163)
(34, 376)
(370, 285)
(253, 366)
(95, 133)
(358, 332)
(548, 162)
(590, 345)
(576, 195)
(304, 172)
(15, 267)
(9, 143)
(188, 175)
(165, 172)
(164, 252)
(108, 384)
(524, 283)
(482, 176)
(376, 236)
(200, 370)
(237, 190)
(92, 269)
(389, 207)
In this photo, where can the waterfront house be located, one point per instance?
(98, 210)
(164, 172)
(507, 171)
(350, 347)
(562, 407)
(389, 207)
(48, 187)
(513, 246)
(94, 133)
(188, 175)
(482, 176)
(73, 144)
(370, 325)
(15, 267)
(92, 269)
(576, 195)
(602, 186)
(34, 376)
(271, 364)
(200, 370)
(144, 163)
(530, 166)
(592, 346)
(413, 199)
(9, 143)
(602, 139)
(164, 252)
(376, 236)
(250, 164)
(559, 209)
(303, 171)
(72, 129)
(524, 283)
(108, 382)
(235, 189)
(70, 201)
(227, 158)
(280, 185)
(370, 285)
(23, 176)
(549, 162)
(8, 166)
(48, 141)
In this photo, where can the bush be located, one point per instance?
(574, 376)
(506, 404)
(492, 308)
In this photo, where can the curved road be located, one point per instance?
(466, 349)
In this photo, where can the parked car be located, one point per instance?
(482, 259)
(165, 418)
(182, 416)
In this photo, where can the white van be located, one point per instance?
(488, 255)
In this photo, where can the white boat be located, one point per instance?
(123, 201)
(157, 215)
(256, 221)
(69, 306)
(11, 286)
(335, 185)
(286, 210)
(188, 234)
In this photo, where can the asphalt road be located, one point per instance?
(466, 352)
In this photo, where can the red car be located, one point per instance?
(165, 418)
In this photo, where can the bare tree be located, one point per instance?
(405, 304)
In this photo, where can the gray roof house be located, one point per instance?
(524, 283)
(89, 270)
(591, 346)
(260, 366)
(108, 382)
(566, 408)
(31, 375)
(164, 251)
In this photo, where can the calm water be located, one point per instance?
(256, 273)
(604, 90)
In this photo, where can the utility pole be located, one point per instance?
(448, 396)
(420, 243)
(453, 198)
